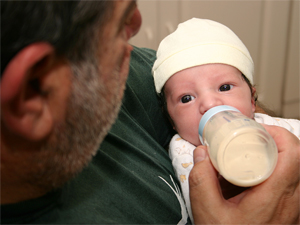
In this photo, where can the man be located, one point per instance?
(63, 67)
(56, 72)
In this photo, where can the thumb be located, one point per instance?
(205, 191)
(200, 154)
(202, 167)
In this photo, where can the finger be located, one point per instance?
(205, 193)
(286, 173)
(287, 168)
(289, 157)
(281, 190)
(282, 137)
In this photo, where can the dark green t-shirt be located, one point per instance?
(130, 180)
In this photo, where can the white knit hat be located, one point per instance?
(198, 42)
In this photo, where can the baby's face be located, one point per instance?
(191, 92)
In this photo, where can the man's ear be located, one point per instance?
(24, 108)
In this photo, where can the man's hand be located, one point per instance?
(274, 201)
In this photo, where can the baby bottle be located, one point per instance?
(242, 151)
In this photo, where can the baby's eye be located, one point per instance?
(187, 98)
(226, 87)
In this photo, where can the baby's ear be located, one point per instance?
(253, 99)
(24, 108)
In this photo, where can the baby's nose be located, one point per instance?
(208, 102)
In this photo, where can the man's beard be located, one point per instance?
(92, 108)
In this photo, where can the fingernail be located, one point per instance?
(199, 155)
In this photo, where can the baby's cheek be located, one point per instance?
(195, 140)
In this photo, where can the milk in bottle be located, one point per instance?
(241, 149)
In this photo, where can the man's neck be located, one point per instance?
(19, 192)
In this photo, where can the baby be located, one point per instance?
(200, 65)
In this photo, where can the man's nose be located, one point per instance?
(135, 23)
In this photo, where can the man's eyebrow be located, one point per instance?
(128, 10)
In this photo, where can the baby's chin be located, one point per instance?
(195, 142)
